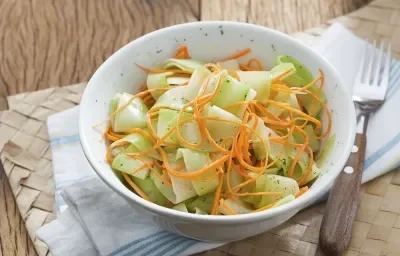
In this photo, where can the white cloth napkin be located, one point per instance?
(93, 220)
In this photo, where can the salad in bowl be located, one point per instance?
(220, 138)
(208, 133)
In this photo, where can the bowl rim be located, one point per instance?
(217, 219)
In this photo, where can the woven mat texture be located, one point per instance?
(26, 156)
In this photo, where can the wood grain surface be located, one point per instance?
(45, 43)
(60, 42)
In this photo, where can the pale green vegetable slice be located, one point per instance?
(260, 81)
(326, 150)
(234, 179)
(157, 80)
(273, 170)
(184, 64)
(277, 150)
(315, 172)
(114, 102)
(250, 96)
(310, 104)
(196, 81)
(274, 183)
(132, 116)
(174, 98)
(140, 143)
(230, 92)
(177, 80)
(219, 129)
(294, 103)
(281, 68)
(237, 205)
(229, 64)
(163, 187)
(281, 97)
(205, 203)
(114, 105)
(167, 120)
(127, 164)
(260, 146)
(211, 84)
(180, 190)
(148, 187)
(284, 200)
(313, 140)
(180, 207)
(200, 211)
(301, 77)
(194, 161)
(301, 164)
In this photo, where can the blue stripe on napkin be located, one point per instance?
(64, 140)
(156, 235)
(380, 152)
(160, 243)
(394, 76)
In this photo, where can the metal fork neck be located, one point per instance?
(362, 122)
(364, 108)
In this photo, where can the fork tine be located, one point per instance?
(378, 66)
(362, 64)
(385, 76)
(371, 56)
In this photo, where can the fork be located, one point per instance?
(369, 92)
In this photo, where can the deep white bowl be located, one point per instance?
(211, 41)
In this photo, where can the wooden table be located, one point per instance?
(48, 43)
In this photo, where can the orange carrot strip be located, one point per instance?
(135, 187)
(227, 207)
(301, 191)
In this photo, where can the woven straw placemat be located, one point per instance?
(26, 156)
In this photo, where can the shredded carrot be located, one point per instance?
(277, 78)
(214, 210)
(259, 194)
(309, 167)
(238, 153)
(227, 207)
(182, 53)
(151, 70)
(301, 191)
(265, 207)
(256, 62)
(283, 105)
(135, 187)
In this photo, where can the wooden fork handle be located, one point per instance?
(342, 204)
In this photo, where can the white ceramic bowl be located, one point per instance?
(211, 41)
